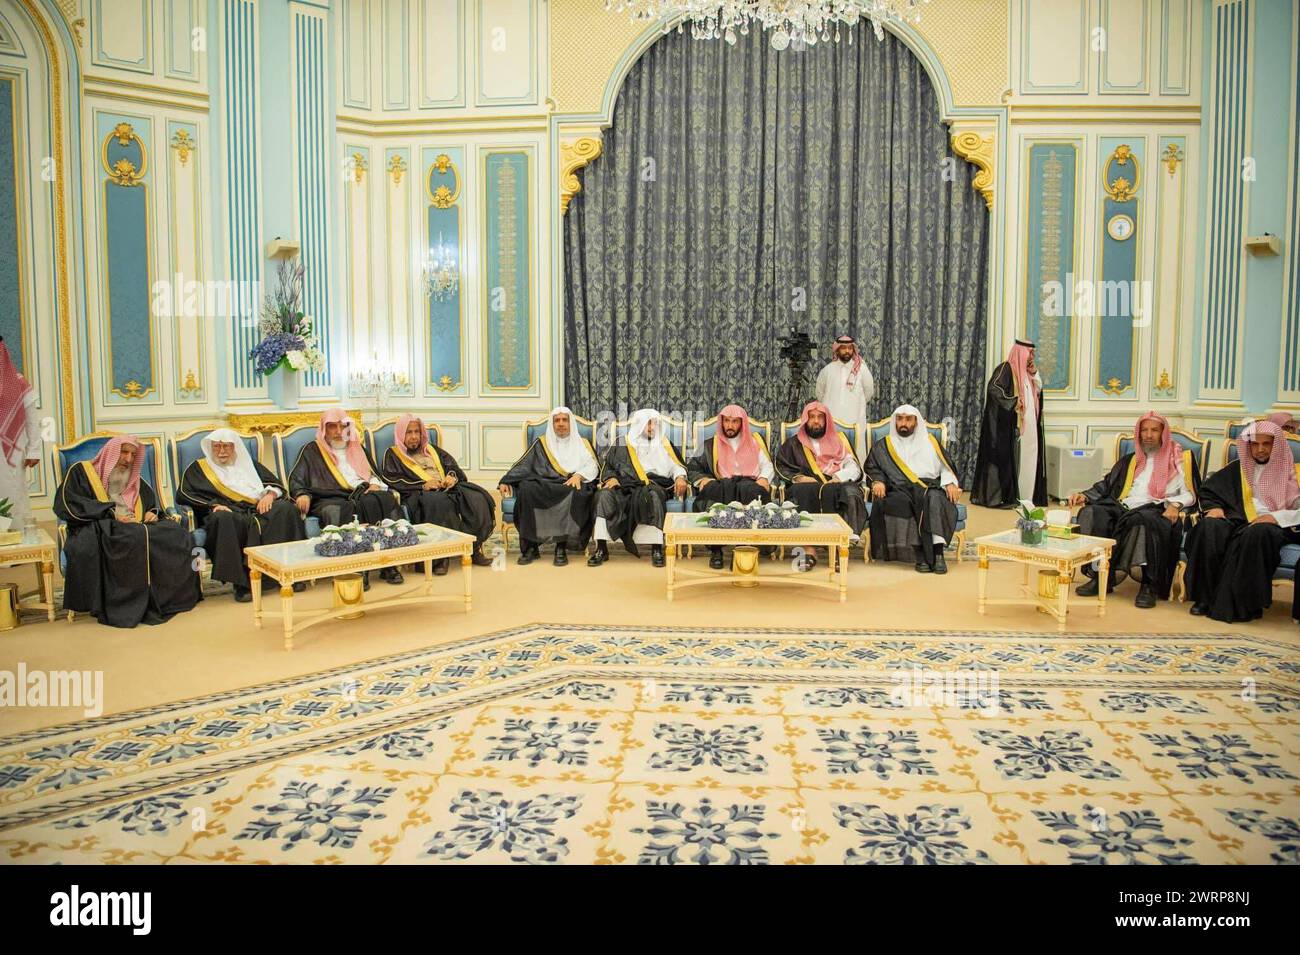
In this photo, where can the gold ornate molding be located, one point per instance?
(274, 422)
(1172, 157)
(977, 149)
(574, 156)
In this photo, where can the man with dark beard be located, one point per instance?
(435, 490)
(1140, 505)
(734, 466)
(915, 490)
(822, 474)
(1250, 510)
(635, 481)
(240, 504)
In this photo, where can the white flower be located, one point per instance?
(297, 360)
(388, 533)
(356, 538)
(376, 546)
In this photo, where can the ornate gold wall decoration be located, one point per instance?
(443, 198)
(183, 145)
(1114, 387)
(442, 162)
(359, 167)
(396, 166)
(1121, 189)
(574, 156)
(977, 150)
(1165, 384)
(123, 172)
(1172, 157)
(446, 384)
(134, 390)
(191, 384)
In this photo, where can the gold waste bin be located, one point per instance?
(744, 566)
(9, 615)
(349, 592)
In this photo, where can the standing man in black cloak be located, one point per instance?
(915, 490)
(127, 563)
(821, 471)
(734, 466)
(435, 490)
(1012, 464)
(1250, 510)
(635, 481)
(240, 504)
(1140, 505)
(334, 480)
(554, 484)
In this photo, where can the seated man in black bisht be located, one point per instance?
(635, 481)
(915, 490)
(334, 481)
(554, 484)
(240, 504)
(1140, 505)
(435, 490)
(734, 466)
(1250, 510)
(127, 563)
(821, 472)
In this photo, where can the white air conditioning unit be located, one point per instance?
(1070, 470)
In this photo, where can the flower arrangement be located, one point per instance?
(754, 516)
(287, 339)
(355, 538)
(1030, 521)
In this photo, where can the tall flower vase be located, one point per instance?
(284, 385)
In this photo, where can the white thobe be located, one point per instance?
(846, 404)
(849, 470)
(1176, 492)
(13, 476)
(349, 473)
(765, 469)
(1285, 517)
(1028, 475)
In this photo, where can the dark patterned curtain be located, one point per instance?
(743, 192)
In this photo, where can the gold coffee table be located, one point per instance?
(297, 561)
(1063, 556)
(40, 552)
(826, 530)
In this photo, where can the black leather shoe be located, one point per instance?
(715, 558)
(940, 565)
(300, 586)
(365, 581)
(561, 556)
(395, 576)
(528, 555)
(440, 567)
(922, 564)
(657, 555)
(1087, 590)
(1200, 609)
(480, 559)
(599, 555)
(243, 595)
(1146, 598)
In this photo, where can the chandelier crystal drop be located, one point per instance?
(792, 23)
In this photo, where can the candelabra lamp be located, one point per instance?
(379, 383)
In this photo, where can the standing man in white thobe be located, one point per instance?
(19, 434)
(845, 386)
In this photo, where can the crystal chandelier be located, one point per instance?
(796, 22)
(440, 274)
(378, 381)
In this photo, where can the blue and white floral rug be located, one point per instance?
(571, 744)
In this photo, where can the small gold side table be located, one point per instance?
(40, 552)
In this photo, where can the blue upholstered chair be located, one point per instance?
(532, 431)
(380, 438)
(676, 432)
(84, 449)
(876, 431)
(183, 450)
(288, 445)
(1230, 448)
